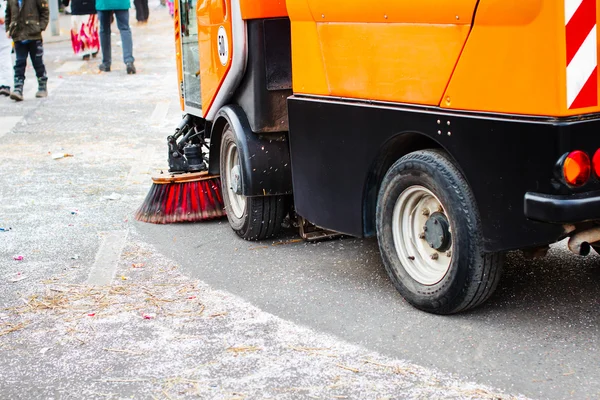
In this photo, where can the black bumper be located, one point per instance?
(563, 208)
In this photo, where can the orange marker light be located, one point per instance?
(577, 168)
(596, 163)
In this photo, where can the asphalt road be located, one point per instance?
(537, 336)
(71, 220)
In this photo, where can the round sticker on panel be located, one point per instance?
(223, 46)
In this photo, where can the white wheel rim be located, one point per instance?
(411, 211)
(237, 202)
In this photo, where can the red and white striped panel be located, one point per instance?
(582, 53)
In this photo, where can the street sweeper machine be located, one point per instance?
(452, 130)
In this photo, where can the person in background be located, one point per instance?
(84, 27)
(120, 8)
(25, 21)
(6, 75)
(171, 5)
(141, 11)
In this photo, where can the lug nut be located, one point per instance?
(425, 212)
(440, 209)
(422, 235)
(449, 253)
(434, 256)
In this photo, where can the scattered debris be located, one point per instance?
(13, 328)
(243, 349)
(75, 257)
(5, 229)
(112, 196)
(347, 368)
(18, 278)
(18, 258)
(148, 316)
(287, 242)
(314, 351)
(123, 351)
(138, 265)
(74, 212)
(116, 380)
(58, 156)
(91, 314)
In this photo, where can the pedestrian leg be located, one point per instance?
(139, 12)
(36, 53)
(22, 52)
(145, 10)
(104, 18)
(126, 37)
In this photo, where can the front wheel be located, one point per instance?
(252, 218)
(429, 234)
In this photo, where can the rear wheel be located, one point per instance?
(429, 235)
(252, 218)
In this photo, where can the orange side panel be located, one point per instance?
(514, 61)
(178, 59)
(406, 11)
(308, 71)
(369, 61)
(253, 9)
(212, 15)
(391, 50)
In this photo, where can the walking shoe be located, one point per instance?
(4, 91)
(130, 68)
(17, 94)
(42, 87)
(104, 67)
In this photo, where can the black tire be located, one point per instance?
(262, 215)
(472, 275)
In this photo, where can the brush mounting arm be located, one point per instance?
(185, 146)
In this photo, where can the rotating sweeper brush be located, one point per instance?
(187, 193)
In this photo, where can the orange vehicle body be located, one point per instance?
(425, 52)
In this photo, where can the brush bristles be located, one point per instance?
(182, 202)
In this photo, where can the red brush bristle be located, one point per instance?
(182, 202)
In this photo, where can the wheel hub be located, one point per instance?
(437, 232)
(422, 237)
(236, 180)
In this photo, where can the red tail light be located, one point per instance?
(596, 163)
(577, 168)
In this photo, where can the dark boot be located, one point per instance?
(17, 93)
(130, 68)
(42, 87)
(4, 90)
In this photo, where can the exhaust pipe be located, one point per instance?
(579, 243)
